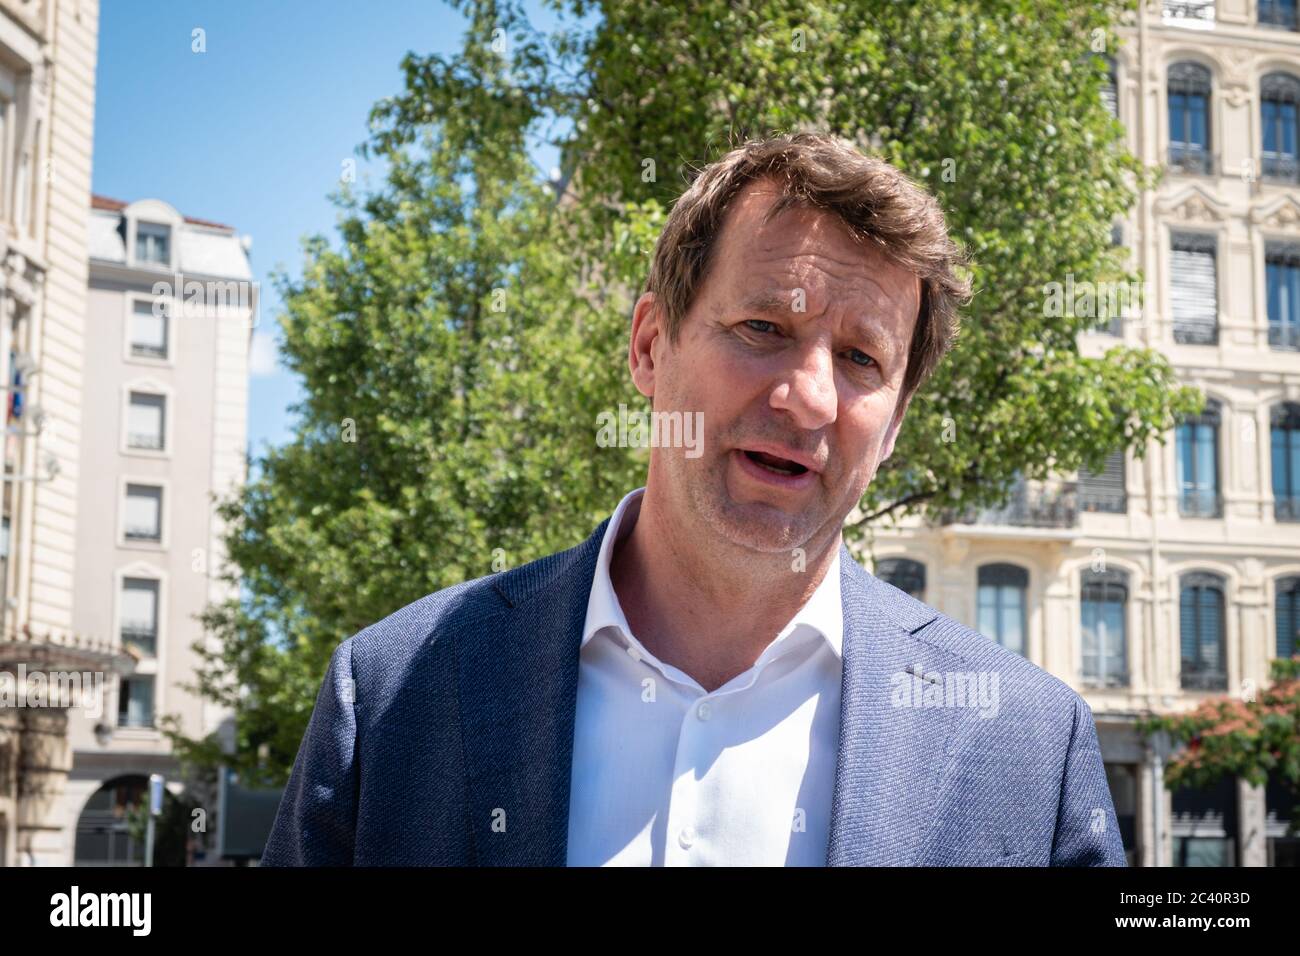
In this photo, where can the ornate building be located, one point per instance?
(1164, 580)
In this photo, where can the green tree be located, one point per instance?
(1255, 737)
(457, 344)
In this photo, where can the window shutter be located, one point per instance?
(1288, 616)
(1194, 291)
(1104, 490)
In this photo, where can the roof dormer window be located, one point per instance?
(153, 244)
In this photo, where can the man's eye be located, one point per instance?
(859, 357)
(755, 323)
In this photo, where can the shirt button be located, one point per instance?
(704, 711)
(686, 837)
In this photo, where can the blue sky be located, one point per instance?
(252, 132)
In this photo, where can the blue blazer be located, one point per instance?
(458, 710)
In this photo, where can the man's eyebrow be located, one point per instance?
(768, 302)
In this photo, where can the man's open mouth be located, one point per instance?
(782, 466)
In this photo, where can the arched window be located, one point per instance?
(1286, 609)
(1103, 606)
(1197, 449)
(1279, 94)
(1189, 86)
(1284, 432)
(905, 574)
(1001, 604)
(1201, 629)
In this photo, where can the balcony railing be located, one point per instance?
(1284, 337)
(150, 351)
(140, 532)
(1111, 502)
(1280, 166)
(1286, 508)
(142, 636)
(1104, 681)
(144, 440)
(1191, 158)
(1189, 332)
(1197, 676)
(1281, 16)
(1200, 503)
(1051, 506)
(1191, 13)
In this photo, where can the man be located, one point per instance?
(710, 678)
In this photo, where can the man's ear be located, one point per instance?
(894, 425)
(647, 326)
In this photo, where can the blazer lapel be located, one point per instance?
(890, 757)
(518, 679)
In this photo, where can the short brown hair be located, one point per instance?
(873, 198)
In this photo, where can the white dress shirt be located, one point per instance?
(666, 773)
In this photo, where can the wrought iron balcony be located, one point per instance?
(1280, 166)
(1110, 502)
(1197, 676)
(1104, 681)
(1192, 13)
(1200, 503)
(1191, 158)
(143, 637)
(1049, 506)
(1286, 507)
(1284, 337)
(144, 440)
(143, 533)
(149, 351)
(1188, 332)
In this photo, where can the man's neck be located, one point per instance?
(708, 613)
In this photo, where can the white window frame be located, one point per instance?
(128, 322)
(164, 536)
(147, 387)
(155, 666)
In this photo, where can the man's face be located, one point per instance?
(794, 349)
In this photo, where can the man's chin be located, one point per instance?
(761, 526)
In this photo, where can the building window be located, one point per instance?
(1200, 622)
(1285, 452)
(149, 327)
(1104, 490)
(1189, 118)
(1278, 14)
(135, 702)
(1278, 95)
(1282, 282)
(146, 418)
(1001, 604)
(1122, 781)
(1204, 825)
(1286, 611)
(139, 615)
(1197, 449)
(1104, 620)
(153, 243)
(1194, 288)
(143, 519)
(903, 573)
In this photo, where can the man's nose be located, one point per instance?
(806, 387)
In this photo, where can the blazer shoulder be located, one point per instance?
(1034, 688)
(459, 608)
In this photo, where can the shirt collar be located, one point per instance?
(823, 611)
